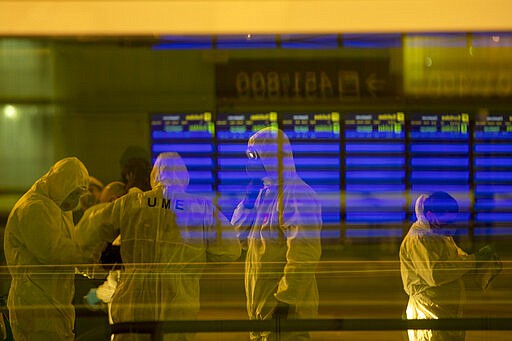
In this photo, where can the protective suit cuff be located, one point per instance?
(281, 297)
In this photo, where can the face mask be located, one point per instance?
(449, 227)
(87, 200)
(255, 169)
(442, 228)
(254, 166)
(71, 200)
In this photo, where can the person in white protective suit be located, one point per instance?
(280, 225)
(40, 251)
(167, 235)
(432, 266)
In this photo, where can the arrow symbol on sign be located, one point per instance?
(373, 84)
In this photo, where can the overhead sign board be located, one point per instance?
(305, 81)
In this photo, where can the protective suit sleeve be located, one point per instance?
(439, 259)
(99, 226)
(3, 330)
(105, 291)
(302, 225)
(223, 244)
(242, 220)
(42, 232)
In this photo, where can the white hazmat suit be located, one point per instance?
(283, 237)
(39, 251)
(432, 266)
(166, 237)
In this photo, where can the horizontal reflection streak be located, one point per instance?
(361, 324)
(237, 268)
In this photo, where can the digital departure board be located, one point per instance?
(367, 168)
(375, 180)
(439, 126)
(492, 162)
(439, 157)
(373, 126)
(191, 135)
(242, 126)
(315, 140)
(494, 127)
(233, 132)
(311, 126)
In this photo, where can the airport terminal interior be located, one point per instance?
(374, 120)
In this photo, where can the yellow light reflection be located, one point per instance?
(10, 112)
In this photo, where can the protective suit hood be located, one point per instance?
(271, 143)
(169, 170)
(419, 210)
(64, 177)
(422, 220)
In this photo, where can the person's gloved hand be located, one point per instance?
(251, 193)
(485, 253)
(91, 297)
(281, 310)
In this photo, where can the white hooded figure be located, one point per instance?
(281, 231)
(40, 251)
(167, 235)
(432, 266)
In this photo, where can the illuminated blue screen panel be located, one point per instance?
(191, 135)
(375, 180)
(439, 157)
(367, 168)
(315, 139)
(233, 132)
(492, 163)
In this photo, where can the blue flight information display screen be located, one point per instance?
(367, 168)
(492, 164)
(439, 157)
(233, 132)
(375, 180)
(191, 135)
(315, 140)
(311, 126)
